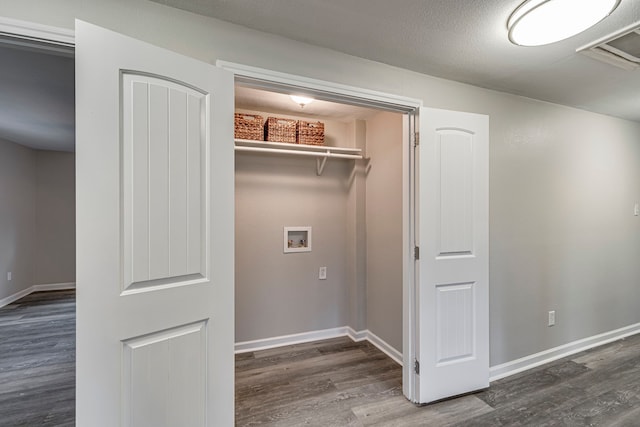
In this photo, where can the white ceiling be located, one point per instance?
(37, 99)
(463, 40)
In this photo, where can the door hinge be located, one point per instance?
(416, 139)
(416, 252)
(416, 366)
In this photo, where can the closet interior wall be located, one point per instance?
(354, 209)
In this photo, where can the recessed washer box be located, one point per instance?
(297, 239)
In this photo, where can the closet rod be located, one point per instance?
(325, 154)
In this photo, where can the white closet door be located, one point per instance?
(155, 176)
(453, 269)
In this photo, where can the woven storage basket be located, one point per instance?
(310, 133)
(249, 126)
(280, 130)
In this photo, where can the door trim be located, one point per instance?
(57, 40)
(321, 89)
(409, 107)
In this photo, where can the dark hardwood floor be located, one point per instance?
(328, 383)
(37, 360)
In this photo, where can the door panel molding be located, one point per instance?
(164, 206)
(455, 161)
(163, 381)
(455, 323)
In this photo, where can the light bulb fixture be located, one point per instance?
(301, 100)
(540, 22)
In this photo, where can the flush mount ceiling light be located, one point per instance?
(540, 22)
(301, 100)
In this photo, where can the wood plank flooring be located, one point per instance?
(328, 383)
(37, 360)
(342, 383)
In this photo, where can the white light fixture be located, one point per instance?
(540, 22)
(301, 100)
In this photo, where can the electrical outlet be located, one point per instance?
(552, 317)
(322, 273)
(636, 209)
(9, 276)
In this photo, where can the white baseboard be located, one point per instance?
(495, 372)
(11, 298)
(357, 336)
(54, 287)
(263, 344)
(36, 288)
(384, 347)
(528, 362)
(266, 343)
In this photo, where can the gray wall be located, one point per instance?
(384, 228)
(17, 217)
(357, 232)
(563, 184)
(355, 209)
(562, 181)
(279, 293)
(55, 222)
(37, 217)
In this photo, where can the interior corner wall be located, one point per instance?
(384, 228)
(55, 218)
(357, 233)
(280, 293)
(17, 217)
(563, 182)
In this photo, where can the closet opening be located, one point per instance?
(352, 280)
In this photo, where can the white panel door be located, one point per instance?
(155, 174)
(453, 266)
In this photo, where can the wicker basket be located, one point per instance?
(280, 130)
(310, 133)
(249, 126)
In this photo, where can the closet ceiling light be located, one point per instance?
(540, 22)
(301, 100)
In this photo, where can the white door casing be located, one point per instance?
(452, 270)
(409, 107)
(155, 240)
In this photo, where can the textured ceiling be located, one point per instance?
(463, 40)
(260, 100)
(37, 99)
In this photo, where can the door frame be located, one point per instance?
(261, 78)
(55, 40)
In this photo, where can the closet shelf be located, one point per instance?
(321, 152)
